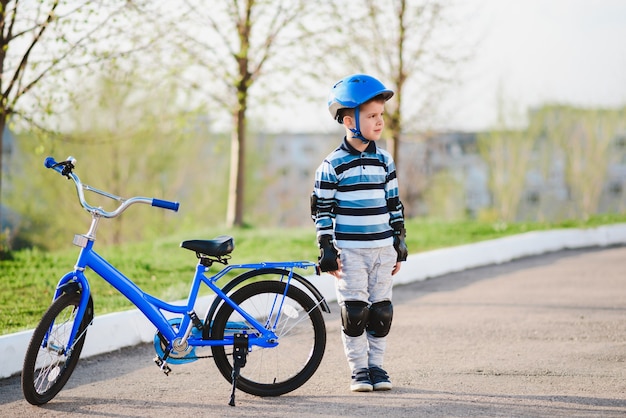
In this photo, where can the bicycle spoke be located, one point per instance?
(297, 322)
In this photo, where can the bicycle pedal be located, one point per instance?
(162, 365)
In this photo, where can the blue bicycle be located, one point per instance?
(266, 334)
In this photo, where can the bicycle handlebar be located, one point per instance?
(65, 168)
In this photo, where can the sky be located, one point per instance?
(530, 52)
(538, 51)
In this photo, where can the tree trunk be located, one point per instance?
(234, 215)
(393, 128)
(2, 125)
(393, 147)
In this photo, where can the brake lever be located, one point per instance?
(67, 165)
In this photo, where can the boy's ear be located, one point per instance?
(348, 121)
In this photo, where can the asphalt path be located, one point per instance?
(538, 337)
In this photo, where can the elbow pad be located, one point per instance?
(394, 204)
(313, 206)
(322, 207)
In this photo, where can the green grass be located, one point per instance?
(164, 270)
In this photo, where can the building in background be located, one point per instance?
(441, 175)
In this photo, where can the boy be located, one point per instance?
(360, 226)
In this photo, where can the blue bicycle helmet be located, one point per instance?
(351, 92)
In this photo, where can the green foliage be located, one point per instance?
(508, 152)
(446, 196)
(580, 143)
(164, 270)
(586, 139)
(159, 267)
(129, 142)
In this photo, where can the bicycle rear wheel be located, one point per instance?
(47, 365)
(301, 338)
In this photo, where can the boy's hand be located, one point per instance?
(329, 255)
(396, 268)
(337, 273)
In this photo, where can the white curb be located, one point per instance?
(123, 329)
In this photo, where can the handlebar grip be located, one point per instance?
(166, 204)
(49, 162)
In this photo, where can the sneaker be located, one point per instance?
(380, 379)
(361, 381)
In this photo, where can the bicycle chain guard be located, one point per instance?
(180, 353)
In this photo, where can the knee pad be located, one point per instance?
(354, 316)
(380, 315)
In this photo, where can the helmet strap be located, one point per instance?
(356, 132)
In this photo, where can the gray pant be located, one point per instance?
(366, 277)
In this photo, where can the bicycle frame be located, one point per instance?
(253, 310)
(149, 305)
(153, 307)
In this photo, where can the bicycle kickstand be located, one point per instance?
(240, 351)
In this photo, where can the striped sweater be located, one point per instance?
(358, 197)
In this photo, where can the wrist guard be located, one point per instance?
(328, 254)
(399, 235)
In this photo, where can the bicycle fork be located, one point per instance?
(73, 282)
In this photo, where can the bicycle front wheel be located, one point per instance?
(49, 362)
(297, 321)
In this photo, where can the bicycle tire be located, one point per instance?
(301, 339)
(45, 370)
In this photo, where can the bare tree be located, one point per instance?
(416, 48)
(44, 44)
(128, 141)
(137, 142)
(235, 49)
(408, 44)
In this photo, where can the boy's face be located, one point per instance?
(370, 119)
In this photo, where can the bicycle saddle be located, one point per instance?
(216, 247)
